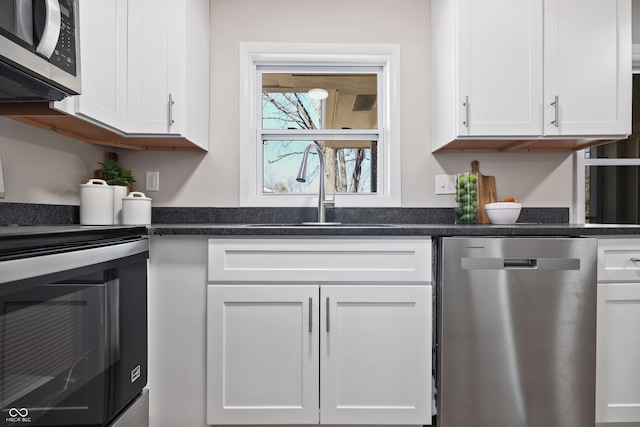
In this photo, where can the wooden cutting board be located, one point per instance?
(486, 191)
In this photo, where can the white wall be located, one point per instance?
(211, 179)
(190, 179)
(43, 167)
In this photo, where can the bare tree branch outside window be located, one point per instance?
(343, 166)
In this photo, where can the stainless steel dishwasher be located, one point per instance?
(516, 332)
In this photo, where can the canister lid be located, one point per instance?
(97, 183)
(136, 195)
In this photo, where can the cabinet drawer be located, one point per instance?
(618, 259)
(320, 260)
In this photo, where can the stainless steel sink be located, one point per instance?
(319, 225)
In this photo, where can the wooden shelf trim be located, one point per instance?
(41, 115)
(538, 145)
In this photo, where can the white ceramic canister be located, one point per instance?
(136, 209)
(96, 203)
(119, 192)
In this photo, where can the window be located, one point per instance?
(346, 113)
(611, 176)
(354, 123)
(612, 183)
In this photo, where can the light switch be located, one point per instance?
(153, 181)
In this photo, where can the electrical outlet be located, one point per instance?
(445, 184)
(153, 181)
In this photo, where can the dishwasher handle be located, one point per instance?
(520, 263)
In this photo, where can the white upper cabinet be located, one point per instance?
(103, 27)
(516, 74)
(500, 77)
(169, 80)
(588, 67)
(145, 69)
(153, 72)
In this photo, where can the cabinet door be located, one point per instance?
(262, 354)
(155, 29)
(375, 354)
(587, 67)
(103, 35)
(618, 353)
(500, 67)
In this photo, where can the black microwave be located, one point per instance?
(39, 50)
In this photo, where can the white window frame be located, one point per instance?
(580, 163)
(254, 55)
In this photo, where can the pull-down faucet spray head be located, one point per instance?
(302, 173)
(302, 177)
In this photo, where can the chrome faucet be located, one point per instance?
(302, 177)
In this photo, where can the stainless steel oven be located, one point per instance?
(73, 327)
(39, 50)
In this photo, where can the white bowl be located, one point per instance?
(503, 212)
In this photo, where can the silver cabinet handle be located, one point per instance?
(328, 306)
(51, 31)
(555, 122)
(466, 111)
(634, 259)
(171, 102)
(310, 315)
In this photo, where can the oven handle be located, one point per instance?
(112, 314)
(25, 268)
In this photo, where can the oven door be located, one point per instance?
(73, 343)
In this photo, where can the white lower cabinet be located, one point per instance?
(262, 354)
(375, 354)
(618, 340)
(318, 350)
(618, 367)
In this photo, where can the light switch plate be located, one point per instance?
(153, 181)
(445, 184)
(1, 180)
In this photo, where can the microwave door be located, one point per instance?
(24, 19)
(16, 21)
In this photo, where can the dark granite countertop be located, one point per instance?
(33, 219)
(345, 230)
(416, 230)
